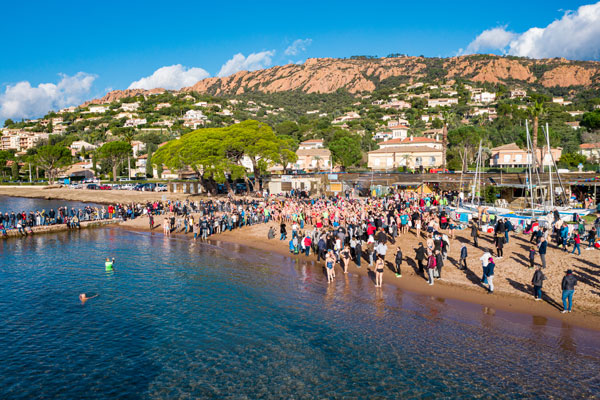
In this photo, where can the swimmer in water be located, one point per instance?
(109, 265)
(83, 298)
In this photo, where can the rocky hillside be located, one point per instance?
(326, 75)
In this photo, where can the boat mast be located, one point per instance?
(529, 166)
(550, 167)
(475, 178)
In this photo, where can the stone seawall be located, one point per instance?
(38, 230)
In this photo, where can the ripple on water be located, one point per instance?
(187, 320)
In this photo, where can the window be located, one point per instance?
(418, 161)
(376, 161)
(518, 158)
(432, 161)
(506, 158)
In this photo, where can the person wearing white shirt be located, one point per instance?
(484, 262)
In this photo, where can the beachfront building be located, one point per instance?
(411, 152)
(591, 151)
(512, 156)
(313, 160)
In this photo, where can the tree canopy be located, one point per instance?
(114, 153)
(217, 154)
(52, 158)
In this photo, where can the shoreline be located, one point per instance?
(410, 281)
(513, 292)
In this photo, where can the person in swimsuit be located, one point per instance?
(379, 264)
(329, 263)
(83, 298)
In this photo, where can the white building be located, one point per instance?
(135, 122)
(98, 109)
(483, 97)
(311, 144)
(441, 102)
(130, 106)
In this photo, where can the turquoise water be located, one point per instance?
(184, 320)
(18, 204)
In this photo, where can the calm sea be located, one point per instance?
(18, 204)
(184, 320)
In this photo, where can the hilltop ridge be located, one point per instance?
(365, 74)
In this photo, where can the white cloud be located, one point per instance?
(574, 36)
(22, 100)
(490, 39)
(299, 46)
(253, 62)
(171, 77)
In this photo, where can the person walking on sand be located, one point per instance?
(489, 272)
(576, 244)
(537, 281)
(379, 265)
(568, 289)
(398, 263)
(462, 263)
(421, 256)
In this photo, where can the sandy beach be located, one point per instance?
(513, 289)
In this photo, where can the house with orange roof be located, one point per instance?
(591, 151)
(411, 152)
(511, 155)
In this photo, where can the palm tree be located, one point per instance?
(447, 116)
(536, 111)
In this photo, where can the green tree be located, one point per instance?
(345, 149)
(8, 122)
(52, 158)
(571, 160)
(14, 170)
(591, 120)
(114, 154)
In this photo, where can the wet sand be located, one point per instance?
(513, 290)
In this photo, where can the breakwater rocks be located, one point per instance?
(38, 230)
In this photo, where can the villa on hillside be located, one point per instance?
(511, 155)
(441, 102)
(591, 151)
(412, 152)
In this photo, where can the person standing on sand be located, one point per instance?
(398, 263)
(283, 231)
(542, 248)
(462, 264)
(568, 289)
(421, 257)
(532, 257)
(537, 281)
(439, 263)
(379, 265)
(346, 257)
(151, 221)
(166, 227)
(431, 263)
(576, 243)
(485, 259)
(489, 272)
(271, 233)
(475, 232)
(358, 252)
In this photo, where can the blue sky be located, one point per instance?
(117, 43)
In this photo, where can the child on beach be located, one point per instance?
(532, 250)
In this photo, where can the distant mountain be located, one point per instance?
(365, 74)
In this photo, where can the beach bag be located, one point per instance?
(436, 273)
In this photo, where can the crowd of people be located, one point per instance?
(342, 229)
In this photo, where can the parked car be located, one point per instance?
(105, 187)
(92, 186)
(127, 186)
(76, 186)
(161, 187)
